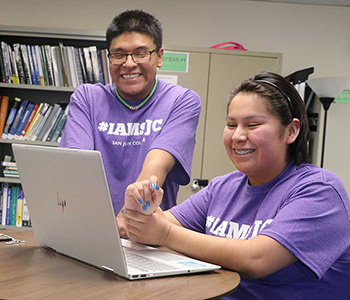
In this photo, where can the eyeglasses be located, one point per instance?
(138, 57)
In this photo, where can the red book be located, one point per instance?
(30, 119)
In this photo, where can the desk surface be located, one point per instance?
(29, 271)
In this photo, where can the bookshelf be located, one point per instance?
(54, 86)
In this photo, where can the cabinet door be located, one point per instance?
(196, 79)
(226, 72)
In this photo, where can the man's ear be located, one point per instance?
(293, 130)
(160, 57)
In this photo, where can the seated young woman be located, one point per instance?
(280, 222)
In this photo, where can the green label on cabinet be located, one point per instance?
(175, 61)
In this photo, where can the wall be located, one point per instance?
(307, 35)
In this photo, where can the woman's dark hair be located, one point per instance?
(283, 101)
(137, 21)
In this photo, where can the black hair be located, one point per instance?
(137, 21)
(283, 101)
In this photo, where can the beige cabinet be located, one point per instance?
(213, 74)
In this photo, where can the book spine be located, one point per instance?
(33, 121)
(26, 65)
(19, 62)
(29, 121)
(63, 64)
(54, 119)
(17, 119)
(42, 123)
(40, 64)
(2, 67)
(3, 112)
(52, 131)
(19, 209)
(49, 64)
(25, 217)
(8, 205)
(43, 59)
(24, 120)
(31, 65)
(14, 205)
(4, 190)
(10, 118)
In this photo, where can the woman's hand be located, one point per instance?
(148, 229)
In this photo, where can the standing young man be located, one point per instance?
(142, 126)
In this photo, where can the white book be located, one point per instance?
(4, 202)
(71, 64)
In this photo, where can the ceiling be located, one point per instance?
(313, 2)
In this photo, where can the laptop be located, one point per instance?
(70, 207)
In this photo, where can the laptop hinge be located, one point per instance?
(107, 268)
(48, 247)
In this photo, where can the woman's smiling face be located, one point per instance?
(255, 140)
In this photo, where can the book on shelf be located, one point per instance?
(24, 120)
(20, 200)
(63, 64)
(13, 213)
(14, 75)
(94, 63)
(19, 62)
(78, 66)
(18, 117)
(25, 217)
(31, 66)
(26, 65)
(56, 66)
(9, 164)
(54, 127)
(88, 64)
(2, 67)
(82, 64)
(60, 125)
(39, 61)
(36, 121)
(42, 123)
(4, 189)
(44, 63)
(8, 206)
(32, 121)
(3, 112)
(35, 65)
(29, 121)
(11, 117)
(50, 127)
(6, 60)
(48, 59)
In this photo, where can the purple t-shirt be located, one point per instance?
(305, 208)
(97, 120)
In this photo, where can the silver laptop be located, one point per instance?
(71, 212)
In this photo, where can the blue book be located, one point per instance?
(24, 120)
(17, 119)
(8, 206)
(10, 118)
(31, 65)
(35, 65)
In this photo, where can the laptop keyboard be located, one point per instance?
(145, 264)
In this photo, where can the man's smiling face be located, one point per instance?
(135, 81)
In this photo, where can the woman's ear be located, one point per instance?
(293, 131)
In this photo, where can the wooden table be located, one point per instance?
(28, 271)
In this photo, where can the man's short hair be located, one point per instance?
(135, 21)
